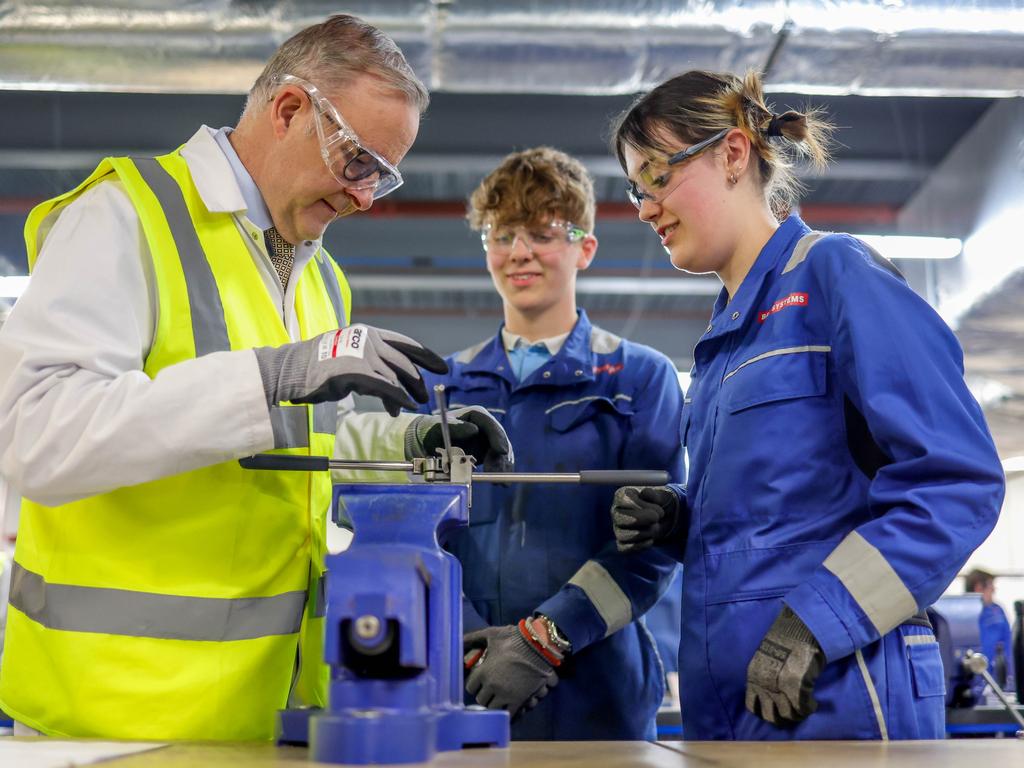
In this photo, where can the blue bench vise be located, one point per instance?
(394, 632)
(393, 637)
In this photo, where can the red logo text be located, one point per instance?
(793, 300)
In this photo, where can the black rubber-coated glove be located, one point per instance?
(475, 656)
(359, 358)
(472, 429)
(780, 677)
(643, 515)
(511, 674)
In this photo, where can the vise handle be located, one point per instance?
(586, 476)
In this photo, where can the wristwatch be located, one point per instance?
(560, 641)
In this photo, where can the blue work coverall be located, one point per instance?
(838, 464)
(601, 403)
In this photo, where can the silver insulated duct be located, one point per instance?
(873, 47)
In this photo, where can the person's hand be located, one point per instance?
(643, 515)
(780, 677)
(359, 358)
(472, 429)
(505, 670)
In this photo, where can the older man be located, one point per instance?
(182, 314)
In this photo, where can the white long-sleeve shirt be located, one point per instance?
(78, 416)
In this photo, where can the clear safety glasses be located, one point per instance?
(653, 181)
(539, 239)
(350, 162)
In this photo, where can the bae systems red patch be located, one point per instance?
(607, 368)
(793, 300)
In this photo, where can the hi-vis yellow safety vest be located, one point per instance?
(188, 607)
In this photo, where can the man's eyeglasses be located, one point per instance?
(652, 182)
(539, 239)
(350, 162)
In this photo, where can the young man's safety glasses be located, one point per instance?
(538, 239)
(350, 162)
(652, 181)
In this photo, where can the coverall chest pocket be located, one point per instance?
(784, 373)
(587, 432)
(774, 414)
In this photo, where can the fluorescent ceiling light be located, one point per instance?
(625, 286)
(11, 287)
(991, 255)
(910, 247)
(650, 286)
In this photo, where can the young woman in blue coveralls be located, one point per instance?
(840, 472)
(548, 597)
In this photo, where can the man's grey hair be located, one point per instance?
(335, 52)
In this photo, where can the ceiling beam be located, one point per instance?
(879, 216)
(471, 165)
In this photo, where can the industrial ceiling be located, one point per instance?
(927, 97)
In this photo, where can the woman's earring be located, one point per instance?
(733, 178)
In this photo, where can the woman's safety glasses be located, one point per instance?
(653, 180)
(351, 163)
(539, 239)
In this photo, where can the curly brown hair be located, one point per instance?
(534, 186)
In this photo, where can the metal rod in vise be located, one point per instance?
(586, 476)
(441, 397)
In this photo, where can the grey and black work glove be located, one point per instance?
(472, 429)
(644, 515)
(511, 674)
(359, 358)
(780, 677)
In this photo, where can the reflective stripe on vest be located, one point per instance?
(291, 427)
(208, 326)
(147, 614)
(333, 288)
(184, 607)
(209, 329)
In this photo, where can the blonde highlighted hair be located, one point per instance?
(696, 105)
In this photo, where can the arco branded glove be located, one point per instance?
(358, 358)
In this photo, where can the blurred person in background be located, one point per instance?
(994, 629)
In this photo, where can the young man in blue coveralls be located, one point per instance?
(571, 396)
(994, 629)
(840, 472)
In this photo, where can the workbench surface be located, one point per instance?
(957, 753)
